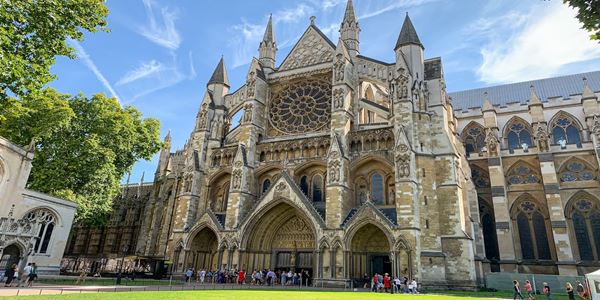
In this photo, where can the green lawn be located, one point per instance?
(244, 295)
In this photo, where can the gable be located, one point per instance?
(312, 48)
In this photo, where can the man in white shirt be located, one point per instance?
(25, 277)
(202, 275)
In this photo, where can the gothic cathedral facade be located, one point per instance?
(344, 165)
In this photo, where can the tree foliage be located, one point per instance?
(83, 146)
(588, 13)
(34, 32)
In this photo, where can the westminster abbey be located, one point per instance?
(344, 165)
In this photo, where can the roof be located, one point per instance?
(563, 86)
(408, 34)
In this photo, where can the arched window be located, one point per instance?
(518, 133)
(47, 221)
(225, 197)
(369, 95)
(584, 212)
(531, 228)
(317, 188)
(522, 173)
(488, 224)
(377, 189)
(473, 137)
(480, 177)
(565, 128)
(304, 185)
(576, 170)
(266, 185)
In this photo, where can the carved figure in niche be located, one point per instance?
(339, 67)
(251, 84)
(237, 179)
(492, 143)
(203, 117)
(247, 113)
(403, 81)
(596, 129)
(403, 164)
(338, 99)
(542, 139)
(334, 172)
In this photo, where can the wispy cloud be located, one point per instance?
(144, 70)
(192, 74)
(547, 40)
(89, 63)
(161, 30)
(390, 6)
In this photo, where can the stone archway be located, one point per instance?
(204, 252)
(281, 238)
(370, 252)
(10, 255)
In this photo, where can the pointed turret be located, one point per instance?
(487, 104)
(409, 50)
(165, 152)
(349, 30)
(139, 189)
(219, 76)
(533, 98)
(268, 49)
(408, 34)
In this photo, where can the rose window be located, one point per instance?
(301, 107)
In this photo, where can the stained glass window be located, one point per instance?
(564, 128)
(266, 185)
(531, 227)
(304, 185)
(523, 174)
(576, 170)
(474, 138)
(317, 188)
(479, 177)
(488, 224)
(378, 196)
(585, 218)
(518, 135)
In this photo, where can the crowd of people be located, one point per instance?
(257, 277)
(19, 278)
(581, 289)
(384, 283)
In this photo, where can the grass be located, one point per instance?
(242, 295)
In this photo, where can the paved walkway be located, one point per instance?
(77, 289)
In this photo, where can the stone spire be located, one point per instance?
(587, 91)
(533, 98)
(219, 76)
(408, 34)
(268, 49)
(349, 30)
(487, 104)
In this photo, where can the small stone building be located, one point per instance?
(34, 227)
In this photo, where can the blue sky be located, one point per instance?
(159, 54)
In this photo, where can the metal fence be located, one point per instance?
(504, 281)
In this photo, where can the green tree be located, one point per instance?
(94, 142)
(34, 32)
(588, 13)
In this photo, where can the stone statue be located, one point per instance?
(492, 143)
(203, 117)
(237, 179)
(542, 139)
(403, 164)
(596, 129)
(339, 68)
(338, 99)
(334, 172)
(251, 85)
(247, 113)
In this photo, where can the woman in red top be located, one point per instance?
(241, 277)
(386, 282)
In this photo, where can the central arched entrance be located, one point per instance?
(370, 252)
(283, 238)
(204, 250)
(10, 255)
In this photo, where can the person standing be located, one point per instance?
(547, 291)
(570, 291)
(10, 275)
(374, 283)
(241, 277)
(188, 275)
(528, 290)
(32, 275)
(25, 275)
(414, 286)
(366, 281)
(386, 283)
(397, 284)
(580, 291)
(517, 290)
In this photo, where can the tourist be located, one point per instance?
(570, 291)
(270, 277)
(241, 277)
(283, 277)
(296, 279)
(290, 277)
(405, 285)
(580, 290)
(10, 275)
(188, 275)
(517, 290)
(25, 275)
(547, 291)
(365, 281)
(82, 277)
(397, 284)
(528, 290)
(386, 283)
(32, 275)
(202, 276)
(374, 283)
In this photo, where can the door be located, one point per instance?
(381, 264)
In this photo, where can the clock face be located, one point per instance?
(301, 106)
